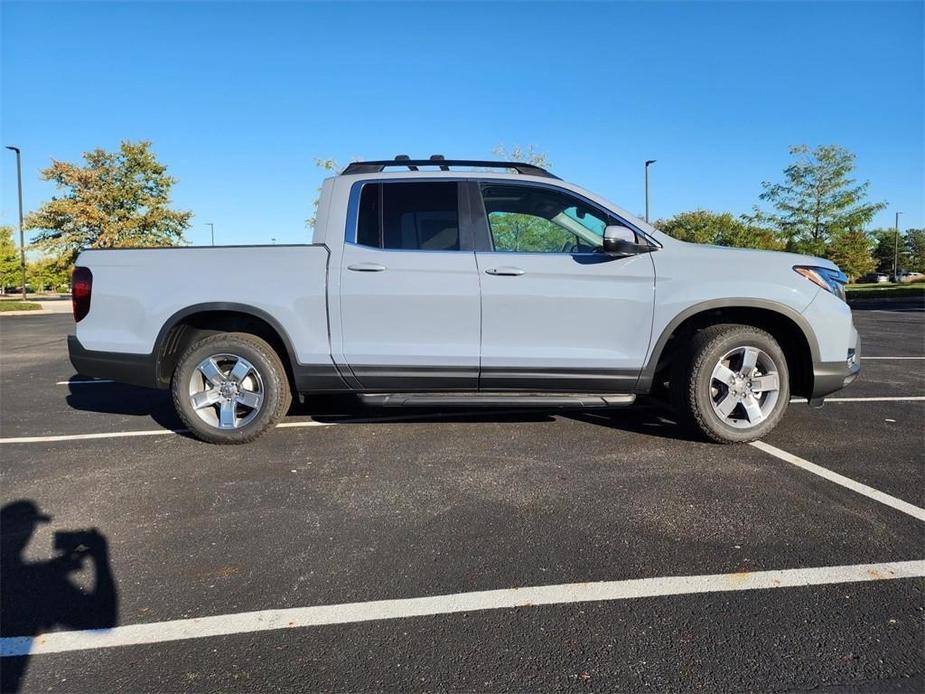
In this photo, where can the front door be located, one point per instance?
(558, 313)
(409, 290)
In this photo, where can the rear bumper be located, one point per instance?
(829, 377)
(123, 367)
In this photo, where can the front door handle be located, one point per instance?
(505, 271)
(366, 267)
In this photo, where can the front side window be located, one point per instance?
(528, 219)
(409, 216)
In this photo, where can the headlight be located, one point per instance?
(833, 281)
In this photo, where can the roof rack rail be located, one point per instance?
(404, 161)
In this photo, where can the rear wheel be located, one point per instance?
(230, 388)
(735, 386)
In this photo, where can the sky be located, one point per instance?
(240, 98)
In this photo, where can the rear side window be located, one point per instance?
(409, 216)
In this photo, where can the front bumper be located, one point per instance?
(829, 377)
(123, 367)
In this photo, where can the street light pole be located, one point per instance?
(896, 247)
(22, 242)
(648, 161)
(212, 230)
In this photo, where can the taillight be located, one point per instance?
(81, 288)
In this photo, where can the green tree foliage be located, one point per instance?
(10, 274)
(882, 241)
(818, 200)
(47, 274)
(719, 228)
(112, 199)
(915, 250)
(909, 249)
(851, 251)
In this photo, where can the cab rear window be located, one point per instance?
(409, 216)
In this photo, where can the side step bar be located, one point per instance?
(497, 400)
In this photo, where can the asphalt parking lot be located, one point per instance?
(803, 579)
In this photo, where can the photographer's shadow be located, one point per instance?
(40, 596)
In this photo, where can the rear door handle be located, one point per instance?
(505, 271)
(366, 267)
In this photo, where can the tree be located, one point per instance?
(47, 273)
(818, 199)
(325, 165)
(720, 228)
(113, 199)
(10, 273)
(528, 155)
(882, 243)
(915, 250)
(850, 250)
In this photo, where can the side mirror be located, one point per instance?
(621, 241)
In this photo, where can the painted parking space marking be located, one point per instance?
(847, 482)
(889, 358)
(890, 398)
(508, 598)
(130, 434)
(375, 420)
(281, 425)
(91, 381)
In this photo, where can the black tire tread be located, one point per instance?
(279, 376)
(684, 379)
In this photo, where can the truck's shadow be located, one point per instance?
(648, 417)
(121, 399)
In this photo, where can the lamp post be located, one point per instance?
(648, 161)
(896, 248)
(211, 231)
(22, 242)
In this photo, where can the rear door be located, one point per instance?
(409, 289)
(558, 313)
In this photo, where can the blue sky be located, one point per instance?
(240, 98)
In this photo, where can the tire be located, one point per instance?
(248, 391)
(701, 389)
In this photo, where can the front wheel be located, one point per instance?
(230, 388)
(734, 386)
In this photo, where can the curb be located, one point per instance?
(34, 312)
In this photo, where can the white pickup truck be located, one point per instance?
(444, 283)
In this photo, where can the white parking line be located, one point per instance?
(509, 598)
(847, 482)
(891, 398)
(83, 383)
(888, 358)
(282, 425)
(129, 434)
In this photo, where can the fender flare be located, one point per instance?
(647, 374)
(229, 306)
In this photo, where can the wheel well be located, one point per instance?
(201, 324)
(787, 333)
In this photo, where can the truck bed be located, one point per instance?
(136, 292)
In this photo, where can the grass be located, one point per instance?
(873, 290)
(13, 305)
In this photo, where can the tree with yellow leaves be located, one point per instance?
(111, 200)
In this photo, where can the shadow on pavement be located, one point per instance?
(118, 398)
(39, 596)
(649, 416)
